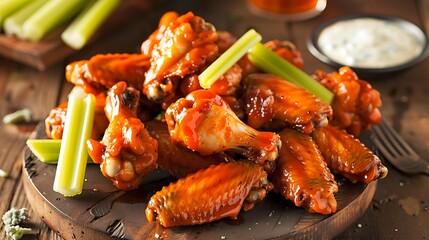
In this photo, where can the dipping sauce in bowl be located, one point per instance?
(372, 43)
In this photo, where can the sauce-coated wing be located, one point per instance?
(210, 194)
(356, 104)
(347, 156)
(185, 45)
(127, 152)
(102, 71)
(204, 122)
(176, 159)
(268, 98)
(302, 176)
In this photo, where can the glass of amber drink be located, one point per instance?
(292, 10)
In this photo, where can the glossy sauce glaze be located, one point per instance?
(370, 43)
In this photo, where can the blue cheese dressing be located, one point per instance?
(369, 43)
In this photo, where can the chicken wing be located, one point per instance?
(102, 71)
(301, 174)
(127, 152)
(347, 156)
(356, 104)
(204, 122)
(272, 103)
(210, 194)
(187, 44)
(179, 160)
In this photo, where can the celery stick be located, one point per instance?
(269, 61)
(47, 150)
(229, 58)
(50, 16)
(3, 173)
(8, 7)
(69, 177)
(87, 22)
(23, 115)
(13, 23)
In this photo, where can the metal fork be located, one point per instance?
(397, 151)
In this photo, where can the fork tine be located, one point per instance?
(382, 143)
(397, 140)
(378, 140)
(391, 140)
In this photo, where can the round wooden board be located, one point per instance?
(103, 212)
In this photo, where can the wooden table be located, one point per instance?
(399, 209)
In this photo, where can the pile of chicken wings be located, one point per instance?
(249, 133)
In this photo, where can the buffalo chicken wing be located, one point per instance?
(127, 152)
(272, 103)
(185, 45)
(347, 156)
(356, 104)
(102, 71)
(210, 194)
(302, 176)
(204, 122)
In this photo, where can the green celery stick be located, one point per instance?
(23, 115)
(270, 62)
(3, 173)
(229, 58)
(47, 150)
(13, 23)
(87, 22)
(70, 174)
(50, 16)
(8, 7)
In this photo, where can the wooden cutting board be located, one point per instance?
(51, 49)
(103, 212)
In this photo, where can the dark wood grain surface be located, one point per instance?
(399, 209)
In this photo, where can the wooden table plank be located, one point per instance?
(21, 88)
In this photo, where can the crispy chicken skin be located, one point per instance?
(347, 156)
(356, 104)
(204, 122)
(271, 102)
(102, 71)
(54, 123)
(210, 194)
(179, 161)
(185, 46)
(127, 152)
(301, 174)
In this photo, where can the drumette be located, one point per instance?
(127, 152)
(182, 46)
(204, 122)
